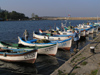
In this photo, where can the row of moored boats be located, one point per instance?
(44, 42)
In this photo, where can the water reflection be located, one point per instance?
(20, 68)
(62, 56)
(90, 36)
(46, 64)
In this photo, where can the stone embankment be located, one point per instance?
(71, 18)
(83, 62)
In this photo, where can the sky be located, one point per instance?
(56, 8)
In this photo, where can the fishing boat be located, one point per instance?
(43, 48)
(17, 55)
(65, 44)
(50, 36)
(81, 31)
(15, 46)
(85, 29)
(67, 32)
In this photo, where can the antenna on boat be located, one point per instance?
(97, 18)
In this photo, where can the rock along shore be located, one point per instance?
(84, 62)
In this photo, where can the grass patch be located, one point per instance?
(84, 58)
(75, 57)
(76, 67)
(80, 59)
(94, 72)
(84, 63)
(60, 72)
(96, 47)
(72, 59)
(79, 54)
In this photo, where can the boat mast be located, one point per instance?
(97, 18)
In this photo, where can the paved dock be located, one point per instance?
(84, 62)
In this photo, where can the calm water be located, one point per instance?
(10, 30)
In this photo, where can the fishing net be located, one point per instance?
(42, 41)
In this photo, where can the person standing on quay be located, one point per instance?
(76, 39)
(26, 34)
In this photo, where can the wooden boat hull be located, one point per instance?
(65, 44)
(28, 43)
(83, 33)
(28, 57)
(87, 32)
(56, 37)
(49, 49)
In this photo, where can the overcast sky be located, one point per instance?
(58, 8)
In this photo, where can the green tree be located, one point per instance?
(5, 15)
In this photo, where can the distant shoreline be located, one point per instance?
(61, 18)
(71, 18)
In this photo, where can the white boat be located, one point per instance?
(43, 48)
(53, 37)
(65, 44)
(67, 32)
(51, 49)
(17, 55)
(85, 29)
(90, 27)
(81, 31)
(70, 33)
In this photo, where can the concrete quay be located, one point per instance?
(83, 62)
(71, 18)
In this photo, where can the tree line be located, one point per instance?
(5, 15)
